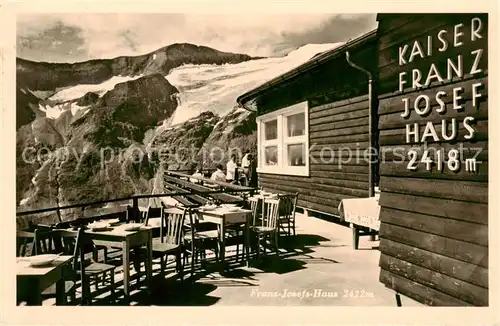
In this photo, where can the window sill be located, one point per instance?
(300, 171)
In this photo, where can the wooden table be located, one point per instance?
(265, 196)
(117, 237)
(362, 214)
(34, 280)
(223, 217)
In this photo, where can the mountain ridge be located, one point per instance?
(96, 71)
(177, 44)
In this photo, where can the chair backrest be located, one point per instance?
(254, 207)
(74, 243)
(43, 242)
(153, 212)
(271, 213)
(174, 224)
(288, 204)
(189, 228)
(133, 214)
(24, 243)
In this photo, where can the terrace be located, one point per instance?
(317, 266)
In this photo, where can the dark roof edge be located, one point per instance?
(305, 66)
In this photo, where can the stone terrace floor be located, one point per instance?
(318, 267)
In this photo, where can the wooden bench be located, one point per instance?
(226, 198)
(182, 200)
(195, 198)
(209, 181)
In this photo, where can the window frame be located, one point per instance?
(283, 141)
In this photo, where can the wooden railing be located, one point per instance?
(187, 194)
(133, 198)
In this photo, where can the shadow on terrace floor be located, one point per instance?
(296, 253)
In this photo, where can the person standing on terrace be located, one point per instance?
(252, 173)
(245, 163)
(231, 170)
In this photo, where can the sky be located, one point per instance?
(79, 37)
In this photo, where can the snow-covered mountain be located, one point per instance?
(178, 96)
(202, 87)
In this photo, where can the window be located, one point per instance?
(283, 141)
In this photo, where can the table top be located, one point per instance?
(264, 196)
(223, 211)
(24, 269)
(361, 211)
(173, 210)
(117, 231)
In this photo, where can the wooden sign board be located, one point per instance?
(433, 136)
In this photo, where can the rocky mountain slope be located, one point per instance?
(93, 130)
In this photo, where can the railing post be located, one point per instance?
(135, 209)
(59, 215)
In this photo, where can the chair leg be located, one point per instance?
(112, 281)
(178, 261)
(237, 251)
(276, 247)
(86, 299)
(162, 266)
(193, 255)
(258, 246)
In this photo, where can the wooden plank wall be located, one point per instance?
(338, 136)
(338, 125)
(434, 230)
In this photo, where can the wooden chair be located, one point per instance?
(46, 242)
(269, 225)
(24, 243)
(43, 242)
(24, 247)
(196, 240)
(235, 234)
(255, 206)
(171, 233)
(86, 269)
(286, 219)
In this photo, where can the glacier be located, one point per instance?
(216, 87)
(201, 87)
